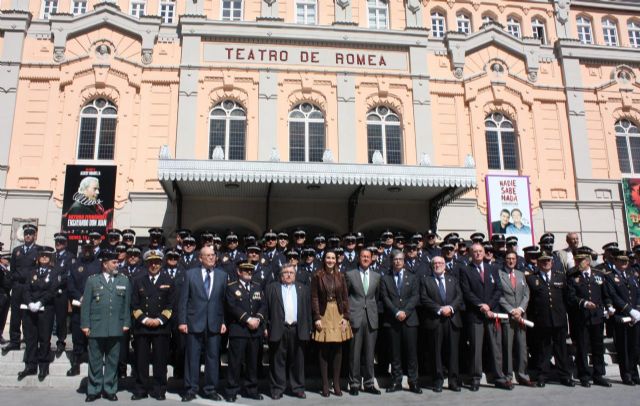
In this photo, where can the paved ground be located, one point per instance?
(552, 394)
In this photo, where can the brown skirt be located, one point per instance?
(331, 330)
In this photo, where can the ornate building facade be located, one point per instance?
(336, 115)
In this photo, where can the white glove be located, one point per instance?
(39, 305)
(33, 308)
(635, 314)
(75, 302)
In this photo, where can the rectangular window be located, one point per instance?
(237, 130)
(167, 11)
(79, 7)
(537, 27)
(513, 27)
(296, 141)
(231, 10)
(493, 150)
(137, 8)
(377, 10)
(464, 24)
(316, 141)
(509, 153)
(610, 33)
(374, 139)
(437, 25)
(87, 140)
(584, 31)
(394, 144)
(49, 7)
(107, 143)
(634, 34)
(217, 132)
(305, 12)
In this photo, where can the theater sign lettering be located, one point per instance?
(305, 56)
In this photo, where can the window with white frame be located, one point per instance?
(634, 33)
(231, 10)
(628, 145)
(49, 7)
(384, 134)
(306, 133)
(610, 32)
(378, 14)
(585, 33)
(306, 12)
(539, 30)
(227, 129)
(79, 7)
(97, 135)
(438, 24)
(501, 142)
(464, 23)
(513, 27)
(167, 11)
(137, 7)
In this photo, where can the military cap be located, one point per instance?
(270, 234)
(253, 248)
(299, 233)
(249, 239)
(107, 255)
(308, 252)
(544, 255)
(411, 246)
(386, 234)
(5, 255)
(121, 248)
(155, 232)
(29, 228)
(60, 237)
(128, 234)
(417, 236)
(172, 254)
(451, 236)
(399, 237)
(583, 252)
(359, 236)
(334, 239)
(498, 238)
(231, 237)
(477, 237)
(488, 246)
(46, 251)
(512, 240)
(189, 240)
(531, 250)
(246, 267)
(621, 255)
(319, 238)
(446, 245)
(372, 249)
(547, 238)
(114, 233)
(349, 238)
(283, 236)
(95, 235)
(216, 238)
(339, 250)
(206, 235)
(183, 232)
(153, 255)
(134, 252)
(610, 246)
(292, 254)
(430, 233)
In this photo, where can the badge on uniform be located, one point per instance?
(238, 293)
(598, 279)
(165, 286)
(256, 296)
(119, 287)
(35, 278)
(97, 298)
(225, 259)
(577, 279)
(262, 261)
(616, 279)
(80, 268)
(537, 282)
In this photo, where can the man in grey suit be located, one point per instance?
(201, 318)
(514, 301)
(363, 286)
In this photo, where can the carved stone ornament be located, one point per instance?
(58, 54)
(270, 2)
(147, 56)
(164, 152)
(327, 156)
(103, 50)
(532, 76)
(458, 73)
(562, 10)
(413, 6)
(341, 3)
(469, 162)
(218, 154)
(377, 158)
(425, 160)
(275, 155)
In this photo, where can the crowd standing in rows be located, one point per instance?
(445, 308)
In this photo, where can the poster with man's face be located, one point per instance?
(509, 208)
(88, 200)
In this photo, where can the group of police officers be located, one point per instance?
(476, 298)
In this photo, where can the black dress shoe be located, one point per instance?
(60, 349)
(636, 381)
(188, 397)
(526, 382)
(138, 396)
(455, 388)
(276, 396)
(25, 373)
(74, 370)
(474, 387)
(394, 388)
(628, 382)
(354, 391)
(254, 396)
(324, 393)
(585, 383)
(568, 382)
(230, 398)
(91, 398)
(300, 395)
(437, 388)
(10, 347)
(44, 372)
(415, 389)
(372, 390)
(540, 384)
(159, 396)
(600, 381)
(507, 385)
(110, 396)
(212, 396)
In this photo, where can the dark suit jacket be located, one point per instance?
(275, 312)
(363, 306)
(21, 264)
(153, 301)
(41, 288)
(196, 310)
(547, 301)
(242, 304)
(406, 301)
(432, 302)
(475, 292)
(624, 292)
(580, 291)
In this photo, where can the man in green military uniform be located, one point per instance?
(104, 318)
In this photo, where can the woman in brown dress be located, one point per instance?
(330, 306)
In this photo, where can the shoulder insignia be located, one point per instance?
(232, 283)
(577, 279)
(80, 268)
(225, 259)
(35, 277)
(537, 282)
(262, 261)
(238, 293)
(18, 253)
(527, 273)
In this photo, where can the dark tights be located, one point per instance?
(330, 354)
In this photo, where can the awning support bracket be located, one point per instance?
(178, 193)
(353, 205)
(441, 200)
(268, 207)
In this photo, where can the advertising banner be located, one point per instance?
(509, 207)
(631, 193)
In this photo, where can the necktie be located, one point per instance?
(443, 294)
(153, 280)
(398, 282)
(26, 249)
(365, 281)
(586, 276)
(512, 276)
(110, 280)
(207, 283)
(270, 255)
(481, 270)
(42, 270)
(449, 265)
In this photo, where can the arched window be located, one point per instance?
(97, 137)
(585, 34)
(538, 29)
(628, 145)
(501, 142)
(438, 24)
(634, 33)
(378, 11)
(513, 27)
(383, 134)
(231, 10)
(306, 11)
(227, 129)
(306, 133)
(610, 32)
(464, 23)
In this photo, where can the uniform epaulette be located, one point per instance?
(604, 271)
(232, 283)
(95, 275)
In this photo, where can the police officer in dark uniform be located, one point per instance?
(96, 239)
(299, 240)
(63, 261)
(302, 276)
(350, 253)
(452, 265)
(412, 263)
(189, 257)
(81, 269)
(128, 237)
(320, 245)
(309, 261)
(232, 255)
(152, 302)
(272, 256)
(262, 273)
(588, 300)
(624, 292)
(546, 244)
(245, 308)
(113, 239)
(134, 269)
(177, 341)
(333, 242)
(431, 248)
(512, 246)
(608, 259)
(531, 255)
(181, 234)
(23, 260)
(121, 252)
(248, 241)
(155, 240)
(547, 309)
(134, 265)
(38, 313)
(499, 245)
